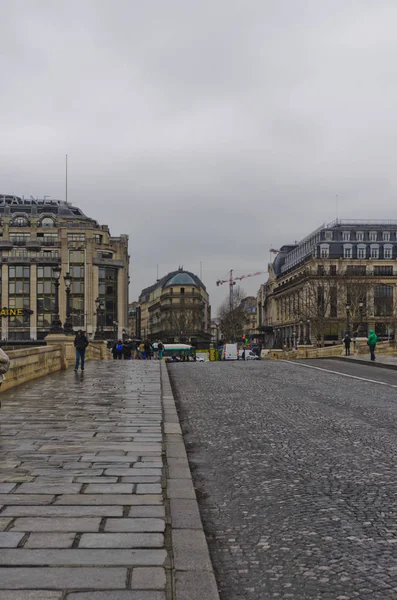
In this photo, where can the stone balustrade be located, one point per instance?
(59, 354)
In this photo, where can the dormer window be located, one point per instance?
(346, 236)
(373, 236)
(324, 251)
(347, 251)
(20, 222)
(47, 222)
(328, 236)
(360, 236)
(374, 251)
(386, 236)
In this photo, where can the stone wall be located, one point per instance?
(30, 363)
(337, 350)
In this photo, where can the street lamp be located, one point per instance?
(97, 335)
(56, 325)
(360, 329)
(348, 319)
(68, 328)
(301, 340)
(115, 328)
(308, 340)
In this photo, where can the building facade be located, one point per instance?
(37, 236)
(340, 278)
(176, 309)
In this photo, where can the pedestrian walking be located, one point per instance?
(347, 341)
(155, 349)
(160, 350)
(372, 341)
(148, 349)
(80, 343)
(118, 350)
(127, 350)
(142, 351)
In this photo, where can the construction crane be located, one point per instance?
(232, 282)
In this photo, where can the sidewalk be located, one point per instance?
(91, 507)
(386, 361)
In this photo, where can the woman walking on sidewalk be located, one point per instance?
(372, 340)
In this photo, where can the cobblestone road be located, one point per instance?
(297, 470)
(81, 506)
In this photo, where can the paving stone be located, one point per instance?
(5, 488)
(133, 472)
(143, 479)
(148, 488)
(148, 465)
(134, 524)
(63, 511)
(109, 499)
(185, 514)
(145, 578)
(29, 595)
(180, 488)
(190, 550)
(58, 524)
(105, 488)
(35, 488)
(9, 539)
(26, 499)
(5, 522)
(110, 458)
(195, 586)
(50, 540)
(81, 557)
(62, 578)
(121, 595)
(121, 540)
(88, 479)
(146, 511)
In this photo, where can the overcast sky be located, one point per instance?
(206, 131)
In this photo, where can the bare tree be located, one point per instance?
(232, 317)
(183, 322)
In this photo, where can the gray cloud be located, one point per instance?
(206, 131)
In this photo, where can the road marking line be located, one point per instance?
(291, 362)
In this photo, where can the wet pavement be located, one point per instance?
(81, 507)
(296, 469)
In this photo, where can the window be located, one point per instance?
(76, 237)
(375, 251)
(346, 236)
(19, 239)
(332, 270)
(360, 236)
(47, 239)
(347, 251)
(98, 238)
(77, 298)
(20, 253)
(324, 251)
(108, 292)
(383, 300)
(386, 236)
(320, 270)
(384, 270)
(182, 290)
(387, 253)
(49, 253)
(361, 251)
(20, 222)
(45, 297)
(334, 302)
(328, 236)
(373, 236)
(19, 295)
(47, 222)
(356, 270)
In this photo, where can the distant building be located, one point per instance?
(176, 309)
(341, 277)
(249, 305)
(37, 236)
(132, 319)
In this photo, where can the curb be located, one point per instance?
(193, 574)
(365, 362)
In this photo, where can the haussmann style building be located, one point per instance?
(340, 278)
(41, 241)
(175, 309)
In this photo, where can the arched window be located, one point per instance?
(47, 222)
(20, 221)
(383, 300)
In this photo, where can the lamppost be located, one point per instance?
(294, 338)
(100, 309)
(360, 329)
(56, 325)
(308, 340)
(301, 340)
(348, 319)
(115, 328)
(68, 328)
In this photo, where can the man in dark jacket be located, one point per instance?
(347, 341)
(80, 343)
